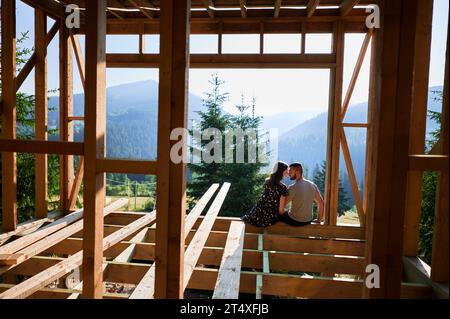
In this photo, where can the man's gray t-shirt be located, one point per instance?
(301, 194)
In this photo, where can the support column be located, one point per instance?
(171, 182)
(94, 148)
(439, 263)
(387, 199)
(65, 110)
(334, 113)
(40, 45)
(8, 116)
(418, 125)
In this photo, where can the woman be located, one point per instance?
(265, 212)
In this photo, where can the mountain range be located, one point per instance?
(132, 112)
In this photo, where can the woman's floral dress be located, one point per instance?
(265, 212)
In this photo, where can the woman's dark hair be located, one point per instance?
(277, 174)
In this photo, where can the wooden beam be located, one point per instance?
(8, 115)
(334, 111)
(356, 71)
(42, 279)
(243, 5)
(53, 9)
(79, 57)
(311, 8)
(422, 163)
(386, 209)
(227, 284)
(24, 228)
(145, 289)
(276, 9)
(41, 109)
(65, 110)
(317, 61)
(76, 184)
(142, 10)
(209, 4)
(126, 166)
(94, 135)
(347, 6)
(51, 240)
(352, 177)
(439, 262)
(171, 182)
(41, 147)
(418, 125)
(23, 74)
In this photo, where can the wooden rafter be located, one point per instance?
(311, 8)
(142, 10)
(347, 6)
(277, 8)
(243, 4)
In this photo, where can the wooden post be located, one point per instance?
(439, 263)
(8, 60)
(94, 148)
(418, 125)
(65, 110)
(171, 183)
(40, 44)
(387, 201)
(334, 113)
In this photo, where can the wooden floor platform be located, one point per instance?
(224, 258)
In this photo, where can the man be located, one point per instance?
(302, 194)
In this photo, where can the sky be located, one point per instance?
(276, 91)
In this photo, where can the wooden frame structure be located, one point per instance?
(394, 159)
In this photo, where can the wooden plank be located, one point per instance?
(94, 135)
(146, 287)
(259, 281)
(51, 228)
(417, 271)
(8, 115)
(42, 279)
(386, 209)
(356, 71)
(352, 178)
(171, 179)
(347, 6)
(227, 284)
(49, 241)
(79, 57)
(311, 8)
(26, 226)
(40, 45)
(198, 242)
(422, 163)
(418, 125)
(439, 263)
(108, 165)
(41, 147)
(65, 110)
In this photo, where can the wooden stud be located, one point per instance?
(41, 183)
(171, 183)
(277, 8)
(243, 4)
(8, 115)
(94, 134)
(76, 184)
(65, 110)
(41, 147)
(439, 263)
(386, 209)
(79, 57)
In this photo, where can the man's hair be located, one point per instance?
(297, 166)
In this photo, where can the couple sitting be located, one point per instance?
(270, 208)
